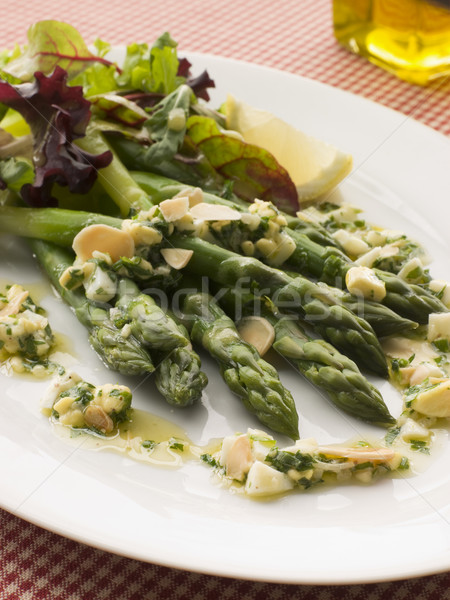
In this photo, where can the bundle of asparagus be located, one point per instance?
(339, 377)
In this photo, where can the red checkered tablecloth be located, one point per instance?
(292, 35)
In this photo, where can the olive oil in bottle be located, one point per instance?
(410, 38)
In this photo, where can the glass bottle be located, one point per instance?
(410, 38)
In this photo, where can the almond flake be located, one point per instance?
(103, 238)
(214, 212)
(258, 332)
(177, 258)
(174, 208)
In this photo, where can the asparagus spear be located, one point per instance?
(382, 319)
(149, 323)
(329, 370)
(161, 188)
(56, 225)
(178, 377)
(123, 354)
(250, 377)
(115, 178)
(409, 300)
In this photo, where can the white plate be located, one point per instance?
(394, 529)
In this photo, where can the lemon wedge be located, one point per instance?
(315, 167)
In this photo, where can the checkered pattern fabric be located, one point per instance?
(292, 35)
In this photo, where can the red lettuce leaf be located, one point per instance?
(254, 171)
(199, 84)
(57, 115)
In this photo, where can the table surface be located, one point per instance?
(292, 35)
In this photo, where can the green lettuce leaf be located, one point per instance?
(152, 69)
(168, 136)
(164, 65)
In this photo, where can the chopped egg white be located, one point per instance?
(375, 238)
(416, 374)
(263, 480)
(100, 287)
(351, 244)
(439, 326)
(362, 281)
(434, 401)
(411, 266)
(57, 386)
(439, 286)
(142, 234)
(411, 430)
(379, 252)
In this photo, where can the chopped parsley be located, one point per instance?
(404, 464)
(81, 393)
(149, 444)
(285, 461)
(176, 444)
(420, 446)
(442, 345)
(211, 461)
(391, 435)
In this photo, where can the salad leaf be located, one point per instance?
(164, 65)
(51, 44)
(96, 79)
(158, 70)
(167, 125)
(152, 70)
(120, 109)
(254, 171)
(57, 115)
(136, 73)
(14, 173)
(200, 84)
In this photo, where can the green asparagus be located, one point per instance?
(148, 322)
(254, 380)
(330, 371)
(178, 376)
